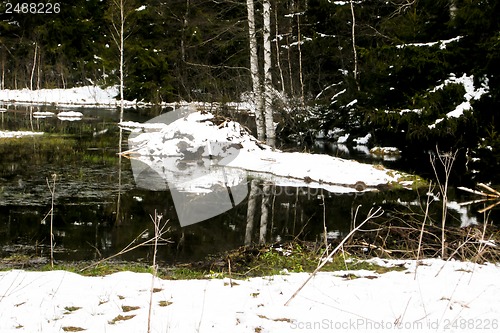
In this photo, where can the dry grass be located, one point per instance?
(72, 329)
(127, 308)
(120, 318)
(405, 237)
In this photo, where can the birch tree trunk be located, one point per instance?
(268, 80)
(254, 72)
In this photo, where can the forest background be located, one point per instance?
(366, 66)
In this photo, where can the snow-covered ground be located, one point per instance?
(438, 296)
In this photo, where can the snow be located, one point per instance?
(386, 153)
(86, 96)
(334, 97)
(343, 138)
(17, 134)
(42, 114)
(351, 103)
(196, 155)
(69, 114)
(435, 296)
(410, 111)
(471, 93)
(363, 140)
(442, 43)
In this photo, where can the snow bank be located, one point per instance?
(88, 95)
(17, 134)
(193, 150)
(437, 296)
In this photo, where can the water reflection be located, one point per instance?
(101, 205)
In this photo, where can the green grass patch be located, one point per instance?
(262, 260)
(288, 258)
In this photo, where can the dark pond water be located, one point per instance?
(99, 210)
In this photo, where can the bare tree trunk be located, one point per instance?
(2, 85)
(354, 46)
(254, 71)
(119, 38)
(299, 49)
(278, 62)
(38, 76)
(183, 73)
(122, 43)
(34, 66)
(268, 80)
(184, 28)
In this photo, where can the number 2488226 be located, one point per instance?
(33, 8)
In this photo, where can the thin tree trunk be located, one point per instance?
(299, 49)
(268, 80)
(38, 71)
(254, 71)
(2, 85)
(122, 42)
(182, 68)
(34, 66)
(354, 46)
(119, 38)
(290, 71)
(278, 62)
